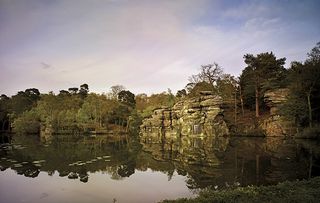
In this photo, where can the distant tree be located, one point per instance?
(227, 86)
(24, 100)
(146, 104)
(115, 90)
(171, 98)
(263, 72)
(64, 93)
(199, 87)
(208, 73)
(314, 55)
(84, 89)
(4, 97)
(96, 110)
(4, 112)
(27, 123)
(141, 101)
(126, 97)
(73, 90)
(304, 84)
(58, 111)
(181, 93)
(33, 93)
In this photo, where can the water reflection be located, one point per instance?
(223, 161)
(200, 162)
(71, 157)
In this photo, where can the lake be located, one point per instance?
(120, 169)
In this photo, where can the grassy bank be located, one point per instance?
(296, 191)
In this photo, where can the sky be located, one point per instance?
(146, 46)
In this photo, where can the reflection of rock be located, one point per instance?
(84, 178)
(189, 132)
(126, 170)
(31, 172)
(189, 151)
(63, 173)
(199, 116)
(277, 125)
(46, 133)
(72, 175)
(2, 168)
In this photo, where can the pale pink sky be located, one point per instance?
(147, 46)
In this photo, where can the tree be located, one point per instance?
(27, 123)
(84, 89)
(208, 73)
(4, 112)
(141, 101)
(227, 87)
(33, 93)
(24, 100)
(58, 111)
(126, 97)
(263, 72)
(314, 55)
(181, 93)
(64, 93)
(304, 84)
(199, 87)
(73, 90)
(115, 90)
(146, 104)
(171, 98)
(96, 110)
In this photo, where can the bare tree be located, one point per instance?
(115, 90)
(209, 73)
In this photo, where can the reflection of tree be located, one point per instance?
(113, 171)
(126, 170)
(78, 155)
(205, 162)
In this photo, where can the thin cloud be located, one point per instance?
(45, 65)
(147, 46)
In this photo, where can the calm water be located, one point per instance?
(104, 169)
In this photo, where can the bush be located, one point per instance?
(310, 133)
(296, 191)
(27, 123)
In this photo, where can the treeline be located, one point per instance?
(265, 72)
(79, 109)
(69, 111)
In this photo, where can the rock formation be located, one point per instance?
(199, 116)
(277, 125)
(275, 98)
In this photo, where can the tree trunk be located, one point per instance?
(235, 107)
(310, 109)
(127, 127)
(241, 101)
(257, 102)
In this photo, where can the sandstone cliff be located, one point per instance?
(194, 117)
(275, 124)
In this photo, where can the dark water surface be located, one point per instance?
(105, 169)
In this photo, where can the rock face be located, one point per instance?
(191, 132)
(277, 125)
(275, 98)
(194, 117)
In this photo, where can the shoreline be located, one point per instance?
(288, 191)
